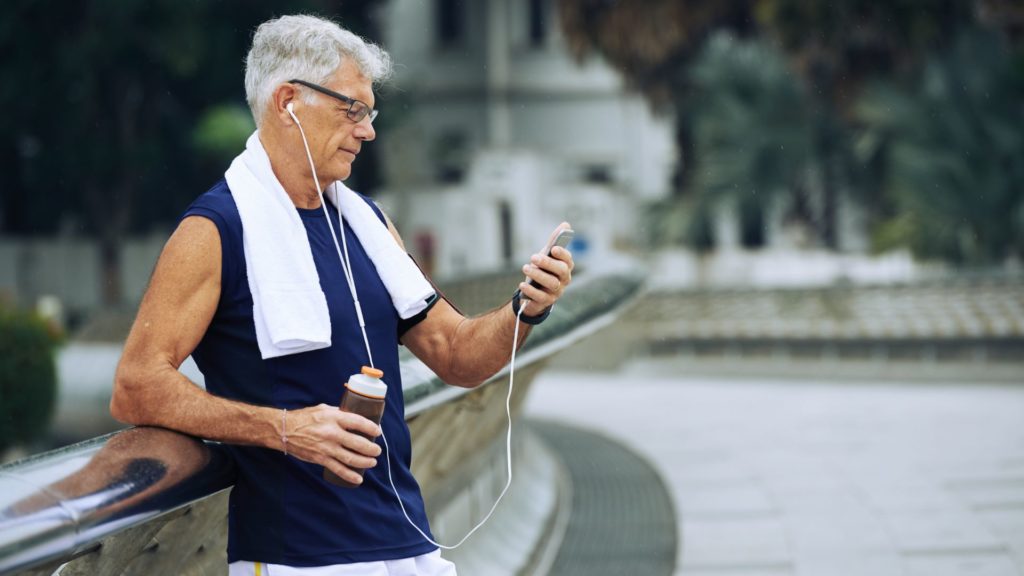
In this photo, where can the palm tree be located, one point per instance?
(838, 45)
(834, 47)
(651, 44)
(952, 154)
(752, 132)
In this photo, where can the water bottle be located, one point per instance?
(364, 395)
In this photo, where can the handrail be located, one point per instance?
(61, 503)
(591, 304)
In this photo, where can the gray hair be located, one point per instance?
(308, 48)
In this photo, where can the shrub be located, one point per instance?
(28, 377)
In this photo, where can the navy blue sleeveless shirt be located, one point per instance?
(281, 509)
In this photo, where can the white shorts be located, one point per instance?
(429, 564)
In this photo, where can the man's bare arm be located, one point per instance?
(464, 351)
(467, 351)
(174, 315)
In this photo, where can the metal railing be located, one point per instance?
(109, 504)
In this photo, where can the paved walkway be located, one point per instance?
(818, 478)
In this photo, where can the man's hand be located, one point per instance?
(552, 274)
(467, 351)
(334, 439)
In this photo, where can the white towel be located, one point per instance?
(289, 308)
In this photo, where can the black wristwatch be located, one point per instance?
(531, 320)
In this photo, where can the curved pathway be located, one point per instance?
(819, 476)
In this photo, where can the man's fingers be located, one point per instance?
(554, 266)
(564, 255)
(538, 296)
(337, 435)
(351, 458)
(558, 265)
(359, 445)
(343, 472)
(353, 427)
(356, 423)
(548, 281)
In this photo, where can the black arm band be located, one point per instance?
(405, 324)
(531, 320)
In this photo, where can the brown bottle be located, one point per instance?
(364, 395)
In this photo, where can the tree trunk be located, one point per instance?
(110, 266)
(830, 183)
(111, 203)
(822, 77)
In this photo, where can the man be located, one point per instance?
(214, 295)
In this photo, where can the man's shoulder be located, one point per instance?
(373, 206)
(216, 201)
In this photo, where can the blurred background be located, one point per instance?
(827, 199)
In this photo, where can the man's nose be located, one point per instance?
(364, 130)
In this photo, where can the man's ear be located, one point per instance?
(283, 95)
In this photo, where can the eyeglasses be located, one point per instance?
(357, 109)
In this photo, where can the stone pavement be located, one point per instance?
(818, 477)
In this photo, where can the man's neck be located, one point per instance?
(293, 174)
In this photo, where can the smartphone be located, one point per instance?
(563, 238)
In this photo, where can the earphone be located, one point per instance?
(347, 269)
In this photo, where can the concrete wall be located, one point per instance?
(69, 268)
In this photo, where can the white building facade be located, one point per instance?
(500, 135)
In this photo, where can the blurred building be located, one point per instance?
(500, 135)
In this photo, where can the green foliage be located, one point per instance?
(833, 47)
(102, 100)
(751, 129)
(222, 131)
(951, 149)
(28, 377)
(859, 37)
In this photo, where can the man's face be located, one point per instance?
(334, 138)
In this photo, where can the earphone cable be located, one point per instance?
(508, 452)
(347, 269)
(346, 265)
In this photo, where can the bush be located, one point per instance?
(28, 377)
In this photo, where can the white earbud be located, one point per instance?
(289, 107)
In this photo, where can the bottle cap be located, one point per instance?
(367, 383)
(372, 372)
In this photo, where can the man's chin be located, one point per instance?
(343, 172)
(335, 176)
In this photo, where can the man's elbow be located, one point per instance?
(124, 401)
(121, 408)
(453, 378)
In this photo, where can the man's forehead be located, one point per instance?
(351, 82)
